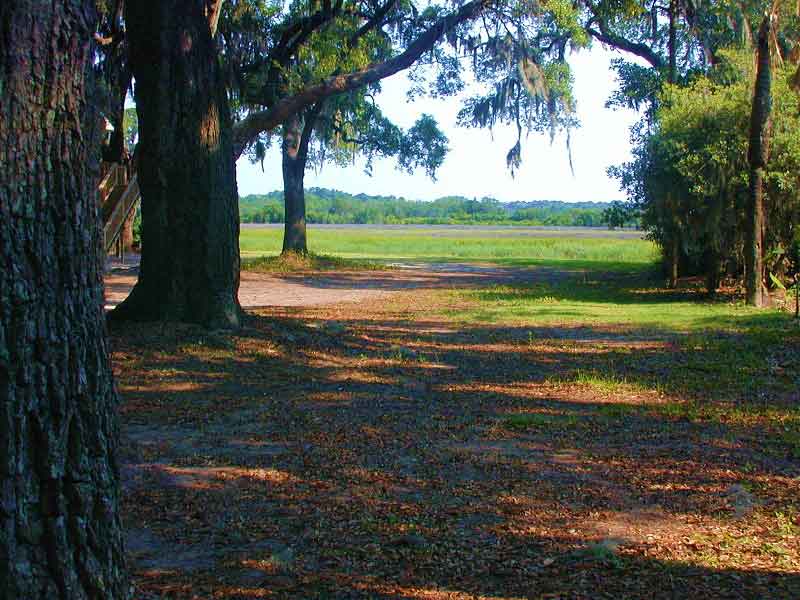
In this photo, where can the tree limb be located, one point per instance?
(372, 22)
(616, 41)
(213, 10)
(251, 126)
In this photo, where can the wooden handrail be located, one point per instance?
(115, 175)
(120, 211)
(118, 194)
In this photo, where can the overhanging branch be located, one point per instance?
(247, 130)
(609, 38)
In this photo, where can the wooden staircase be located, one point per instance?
(119, 195)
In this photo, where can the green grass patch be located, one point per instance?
(618, 411)
(288, 263)
(608, 382)
(596, 298)
(681, 343)
(528, 421)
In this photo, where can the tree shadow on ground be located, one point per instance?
(383, 457)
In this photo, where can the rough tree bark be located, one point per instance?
(296, 137)
(190, 222)
(294, 201)
(60, 534)
(758, 156)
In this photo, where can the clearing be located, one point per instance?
(260, 289)
(464, 432)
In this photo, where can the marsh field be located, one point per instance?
(449, 243)
(466, 412)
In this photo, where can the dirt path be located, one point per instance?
(262, 290)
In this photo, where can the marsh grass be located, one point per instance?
(442, 245)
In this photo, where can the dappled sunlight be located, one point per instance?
(393, 450)
(203, 478)
(168, 386)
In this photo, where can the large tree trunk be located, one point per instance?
(758, 155)
(190, 221)
(60, 534)
(296, 138)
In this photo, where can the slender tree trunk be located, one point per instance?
(672, 44)
(758, 155)
(190, 221)
(115, 82)
(126, 235)
(294, 169)
(297, 133)
(674, 261)
(712, 269)
(60, 534)
(116, 147)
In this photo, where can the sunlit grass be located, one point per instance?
(708, 361)
(441, 245)
(311, 262)
(608, 383)
(628, 301)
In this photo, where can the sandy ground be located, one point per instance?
(260, 290)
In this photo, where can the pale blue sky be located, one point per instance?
(475, 165)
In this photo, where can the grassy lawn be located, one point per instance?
(628, 300)
(715, 360)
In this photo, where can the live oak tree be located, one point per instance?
(343, 44)
(60, 535)
(518, 52)
(758, 157)
(188, 144)
(190, 270)
(525, 89)
(337, 131)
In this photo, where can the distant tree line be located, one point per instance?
(333, 206)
